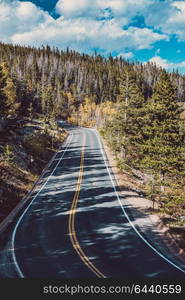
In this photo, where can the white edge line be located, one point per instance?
(21, 217)
(133, 226)
(21, 204)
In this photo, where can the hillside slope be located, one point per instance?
(25, 150)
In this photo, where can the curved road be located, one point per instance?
(77, 226)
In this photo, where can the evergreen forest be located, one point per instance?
(138, 108)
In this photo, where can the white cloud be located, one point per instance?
(20, 17)
(164, 63)
(168, 16)
(127, 8)
(126, 55)
(144, 38)
(25, 10)
(176, 22)
(75, 8)
(71, 8)
(161, 62)
(86, 34)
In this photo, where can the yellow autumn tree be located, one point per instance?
(105, 112)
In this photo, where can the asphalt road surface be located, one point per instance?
(77, 226)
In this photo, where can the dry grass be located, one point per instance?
(15, 180)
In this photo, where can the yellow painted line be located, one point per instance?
(71, 224)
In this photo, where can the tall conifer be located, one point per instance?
(129, 118)
(163, 139)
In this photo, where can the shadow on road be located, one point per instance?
(103, 231)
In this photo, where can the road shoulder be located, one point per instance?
(151, 224)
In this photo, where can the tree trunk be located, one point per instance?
(123, 153)
(162, 176)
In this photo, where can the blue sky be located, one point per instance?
(143, 30)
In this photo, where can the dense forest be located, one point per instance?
(56, 82)
(138, 108)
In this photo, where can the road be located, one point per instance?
(77, 226)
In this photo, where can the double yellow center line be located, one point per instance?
(71, 224)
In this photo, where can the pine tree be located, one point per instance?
(48, 101)
(7, 93)
(3, 102)
(163, 139)
(128, 121)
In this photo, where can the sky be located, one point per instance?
(142, 30)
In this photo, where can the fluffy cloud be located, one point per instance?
(20, 17)
(164, 63)
(73, 8)
(126, 55)
(161, 62)
(86, 34)
(167, 16)
(143, 38)
(176, 22)
(119, 8)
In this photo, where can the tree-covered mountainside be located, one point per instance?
(56, 82)
(139, 108)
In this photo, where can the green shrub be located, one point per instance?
(8, 153)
